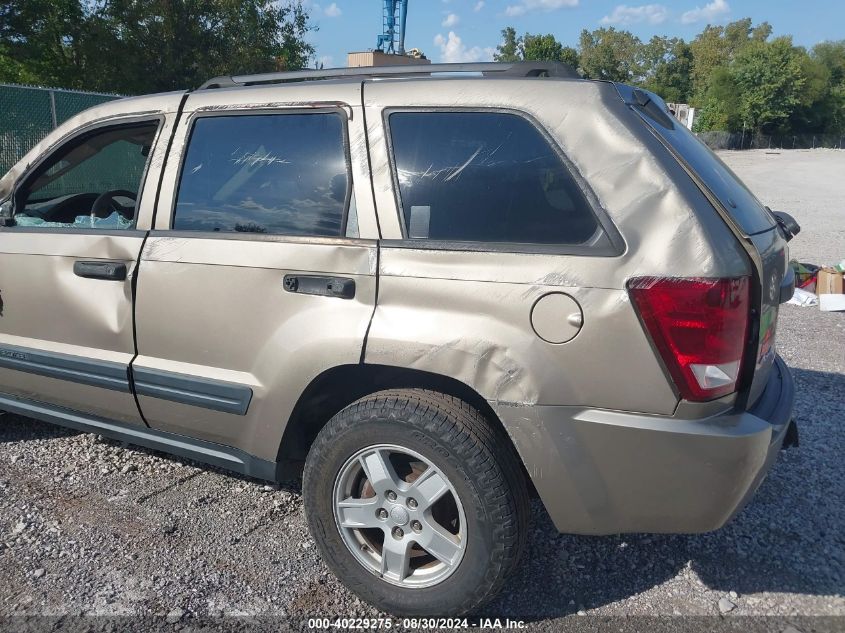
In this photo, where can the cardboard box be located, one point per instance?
(830, 282)
(832, 303)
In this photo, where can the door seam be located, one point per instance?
(134, 283)
(378, 226)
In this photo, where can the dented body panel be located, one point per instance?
(74, 336)
(612, 472)
(207, 340)
(48, 309)
(228, 316)
(468, 312)
(233, 322)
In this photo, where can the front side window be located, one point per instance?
(92, 182)
(284, 174)
(485, 177)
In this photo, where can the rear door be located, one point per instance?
(260, 273)
(747, 215)
(68, 263)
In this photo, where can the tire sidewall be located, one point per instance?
(477, 569)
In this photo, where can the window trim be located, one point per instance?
(202, 114)
(265, 237)
(610, 244)
(70, 137)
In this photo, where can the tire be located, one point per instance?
(485, 511)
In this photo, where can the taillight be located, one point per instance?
(699, 327)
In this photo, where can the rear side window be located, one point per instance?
(485, 177)
(746, 210)
(277, 174)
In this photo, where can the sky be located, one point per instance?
(469, 30)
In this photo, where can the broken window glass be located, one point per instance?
(91, 182)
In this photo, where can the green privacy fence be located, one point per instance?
(28, 114)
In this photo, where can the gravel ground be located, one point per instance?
(89, 526)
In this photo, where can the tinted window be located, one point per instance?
(485, 177)
(280, 173)
(91, 182)
(747, 211)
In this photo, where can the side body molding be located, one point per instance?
(200, 392)
(86, 371)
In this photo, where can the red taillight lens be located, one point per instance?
(700, 328)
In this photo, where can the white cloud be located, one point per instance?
(623, 14)
(478, 6)
(454, 51)
(333, 10)
(450, 21)
(527, 6)
(709, 12)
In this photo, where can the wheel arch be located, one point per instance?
(340, 386)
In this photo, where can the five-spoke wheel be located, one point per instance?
(417, 502)
(399, 516)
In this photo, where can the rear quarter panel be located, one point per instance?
(467, 314)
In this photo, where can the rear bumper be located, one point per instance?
(607, 472)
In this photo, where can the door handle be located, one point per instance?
(110, 271)
(340, 287)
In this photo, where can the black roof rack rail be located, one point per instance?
(516, 69)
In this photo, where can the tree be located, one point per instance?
(571, 57)
(607, 53)
(667, 67)
(737, 76)
(770, 79)
(530, 47)
(510, 48)
(717, 46)
(720, 109)
(41, 42)
(610, 54)
(822, 101)
(831, 56)
(134, 46)
(546, 48)
(196, 39)
(767, 85)
(812, 112)
(13, 70)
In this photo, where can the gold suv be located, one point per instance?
(441, 288)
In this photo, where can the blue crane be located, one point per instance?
(392, 39)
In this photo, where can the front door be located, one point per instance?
(256, 279)
(66, 269)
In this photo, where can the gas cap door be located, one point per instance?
(556, 317)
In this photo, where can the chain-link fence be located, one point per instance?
(740, 140)
(28, 114)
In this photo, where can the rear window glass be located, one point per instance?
(485, 177)
(747, 211)
(278, 174)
